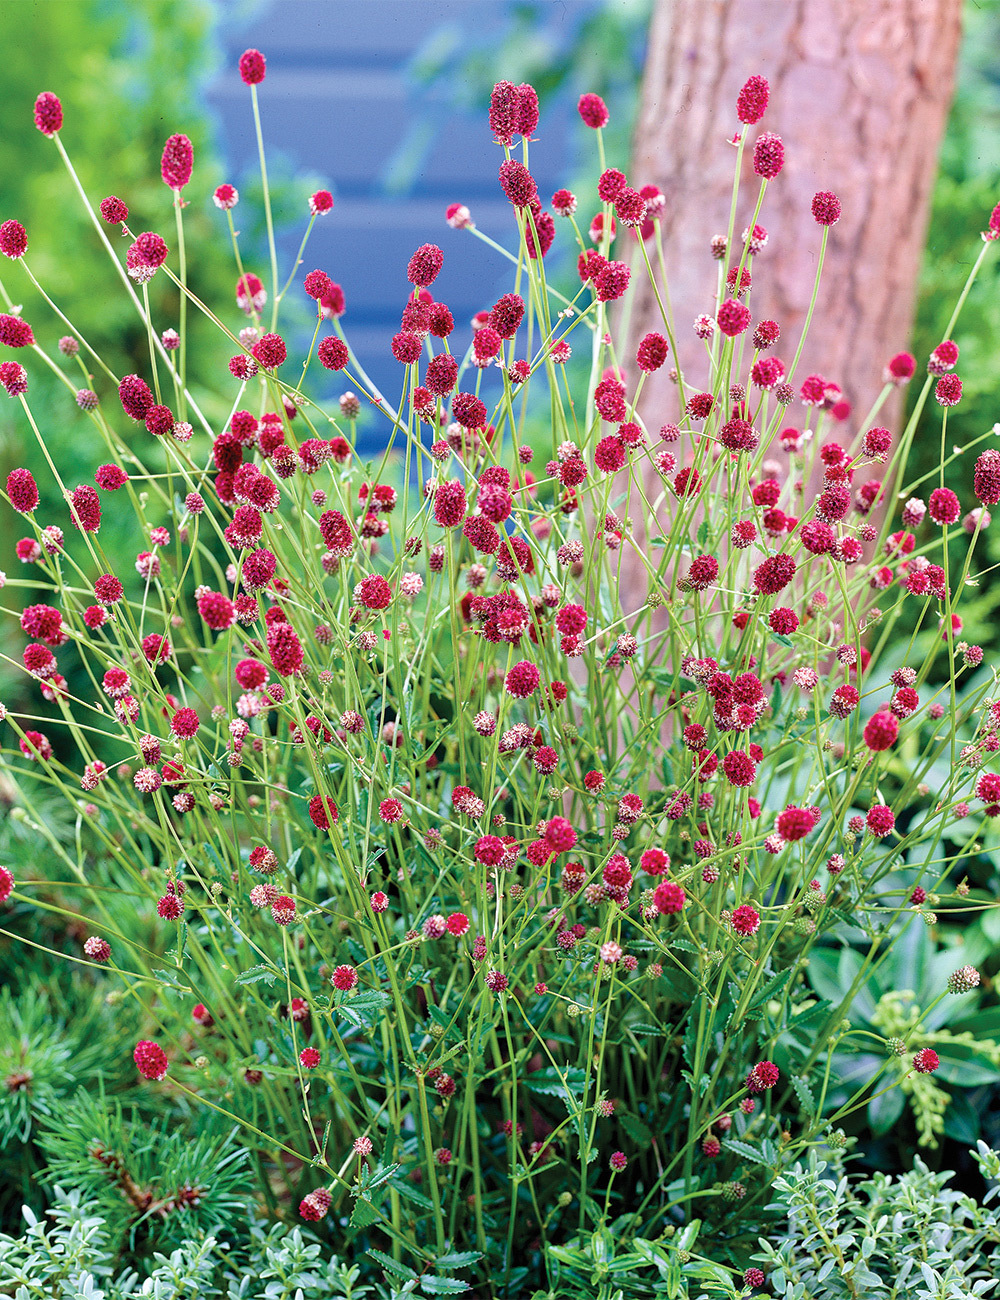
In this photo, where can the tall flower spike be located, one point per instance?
(177, 162)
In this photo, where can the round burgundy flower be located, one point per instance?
(113, 210)
(151, 1059)
(170, 907)
(669, 898)
(253, 67)
(745, 920)
(753, 1277)
(826, 207)
(611, 281)
(270, 351)
(185, 723)
(985, 482)
(943, 358)
(374, 592)
(424, 265)
(768, 156)
(507, 314)
(177, 161)
(517, 183)
(630, 207)
(15, 332)
(948, 390)
(149, 250)
(651, 352)
(739, 767)
(522, 680)
(926, 1061)
(563, 203)
(738, 435)
(609, 454)
(108, 589)
(22, 491)
(943, 506)
(159, 420)
(593, 110)
(344, 978)
(85, 508)
(97, 949)
(323, 812)
(13, 239)
(217, 610)
(320, 203)
(751, 102)
(48, 113)
(136, 396)
(332, 353)
(441, 374)
(226, 196)
(449, 504)
(765, 1074)
(110, 477)
(795, 823)
(881, 731)
(468, 411)
(285, 649)
(775, 573)
(880, 820)
(13, 378)
(733, 317)
(406, 347)
(316, 284)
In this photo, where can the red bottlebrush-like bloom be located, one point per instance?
(783, 620)
(110, 477)
(151, 1059)
(424, 265)
(374, 592)
(943, 506)
(948, 390)
(612, 281)
(517, 183)
(774, 574)
(250, 293)
(609, 454)
(15, 332)
(217, 610)
(159, 420)
(733, 317)
(751, 102)
(669, 898)
(270, 351)
(739, 768)
(13, 239)
(23, 491)
(323, 812)
(880, 820)
(48, 113)
(703, 572)
(745, 920)
(699, 406)
(177, 162)
(826, 207)
(170, 907)
(795, 823)
(285, 649)
(113, 210)
(96, 948)
(522, 680)
(881, 731)
(449, 503)
(35, 746)
(985, 483)
(651, 352)
(593, 111)
(768, 155)
(630, 207)
(309, 1058)
(441, 374)
(503, 111)
(507, 314)
(344, 978)
(253, 67)
(926, 1061)
(85, 508)
(332, 353)
(135, 396)
(155, 648)
(468, 411)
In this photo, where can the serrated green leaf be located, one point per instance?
(804, 1093)
(772, 988)
(392, 1265)
(364, 1213)
(433, 1284)
(458, 1259)
(745, 1151)
(257, 973)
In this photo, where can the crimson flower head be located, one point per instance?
(15, 332)
(22, 491)
(253, 67)
(826, 207)
(503, 111)
(424, 265)
(113, 210)
(332, 353)
(948, 390)
(986, 478)
(151, 1059)
(593, 111)
(321, 202)
(48, 113)
(926, 1061)
(13, 239)
(669, 898)
(149, 250)
(270, 351)
(768, 156)
(226, 196)
(13, 378)
(177, 162)
(517, 183)
(751, 102)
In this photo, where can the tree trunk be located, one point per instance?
(860, 91)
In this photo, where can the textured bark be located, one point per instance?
(860, 91)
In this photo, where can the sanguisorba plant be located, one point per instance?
(483, 903)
